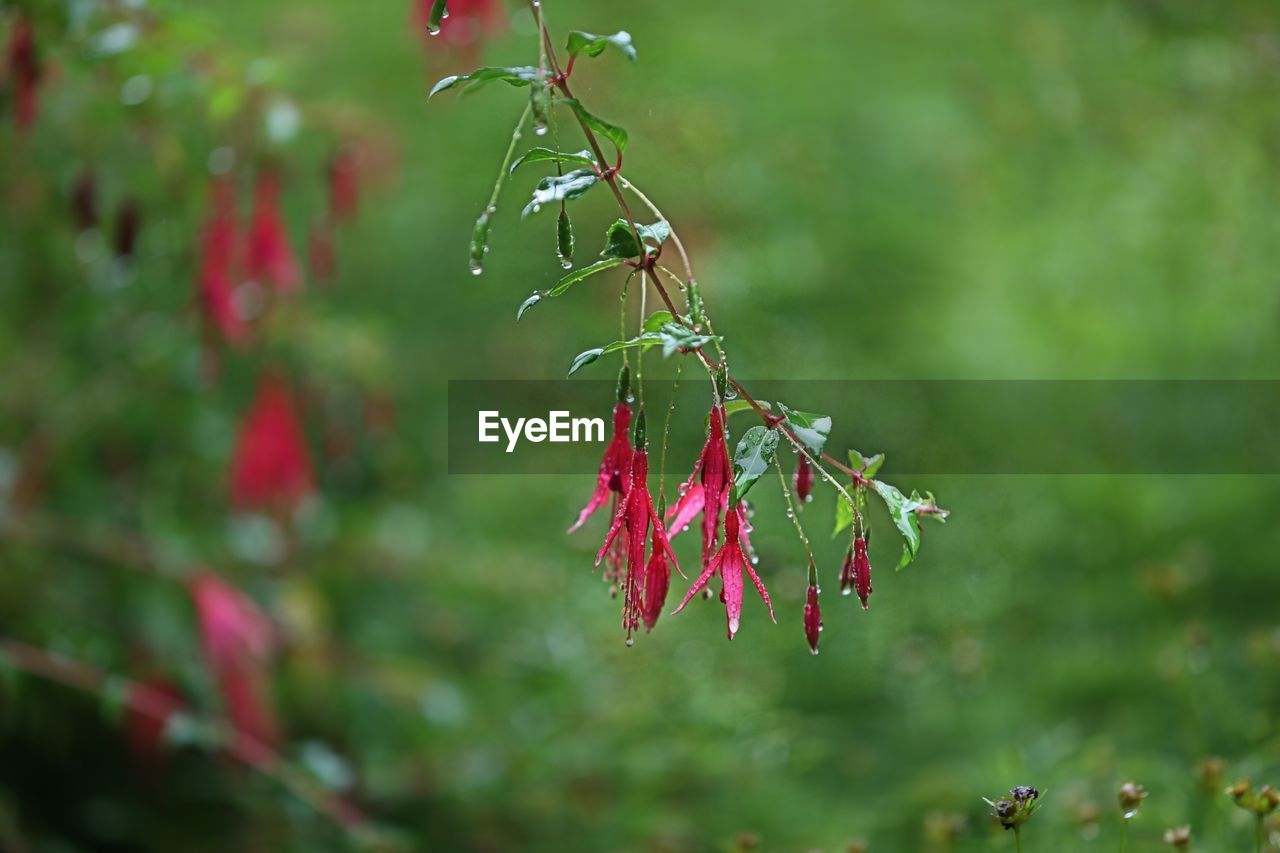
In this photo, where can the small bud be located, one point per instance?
(693, 297)
(564, 239)
(1179, 837)
(812, 619)
(722, 381)
(624, 384)
(640, 436)
(803, 478)
(1268, 800)
(1130, 797)
(1240, 790)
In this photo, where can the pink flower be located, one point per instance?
(730, 562)
(24, 69)
(237, 639)
(634, 516)
(804, 478)
(269, 256)
(812, 619)
(710, 495)
(215, 284)
(271, 467)
(855, 574)
(614, 467)
(657, 577)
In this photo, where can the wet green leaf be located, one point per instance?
(594, 45)
(611, 132)
(556, 188)
(752, 457)
(537, 155)
(811, 429)
(902, 511)
(584, 358)
(515, 75)
(527, 304)
(868, 465)
(620, 240)
(579, 274)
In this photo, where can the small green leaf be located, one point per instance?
(555, 188)
(611, 132)
(677, 337)
(868, 465)
(753, 457)
(657, 320)
(584, 358)
(564, 239)
(579, 274)
(620, 240)
(515, 75)
(902, 511)
(844, 515)
(594, 45)
(536, 155)
(527, 304)
(809, 428)
(735, 406)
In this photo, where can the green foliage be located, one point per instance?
(514, 75)
(611, 132)
(594, 45)
(557, 188)
(620, 240)
(541, 155)
(752, 457)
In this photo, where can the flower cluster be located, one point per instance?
(1018, 807)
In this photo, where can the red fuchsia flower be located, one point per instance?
(268, 255)
(149, 704)
(24, 70)
(613, 474)
(812, 618)
(657, 577)
(237, 639)
(271, 468)
(344, 184)
(804, 477)
(855, 574)
(710, 495)
(634, 516)
(730, 562)
(216, 285)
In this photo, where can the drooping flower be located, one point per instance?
(731, 563)
(804, 478)
(812, 619)
(237, 639)
(612, 476)
(657, 577)
(633, 519)
(855, 574)
(344, 184)
(216, 285)
(709, 495)
(24, 70)
(271, 468)
(268, 254)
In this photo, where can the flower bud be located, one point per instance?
(693, 297)
(1179, 837)
(564, 239)
(812, 619)
(1130, 798)
(1017, 808)
(640, 435)
(803, 478)
(624, 384)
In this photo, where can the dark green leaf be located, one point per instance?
(579, 274)
(753, 457)
(535, 155)
(555, 188)
(594, 45)
(516, 75)
(868, 465)
(527, 304)
(657, 320)
(584, 358)
(611, 132)
(809, 428)
(620, 240)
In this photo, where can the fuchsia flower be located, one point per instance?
(657, 577)
(614, 467)
(268, 254)
(812, 619)
(804, 477)
(633, 519)
(271, 467)
(710, 495)
(730, 562)
(216, 285)
(855, 574)
(24, 70)
(237, 639)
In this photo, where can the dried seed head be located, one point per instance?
(1178, 837)
(1018, 808)
(1240, 790)
(1130, 797)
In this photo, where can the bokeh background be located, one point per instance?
(902, 189)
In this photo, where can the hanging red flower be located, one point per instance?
(268, 255)
(812, 618)
(710, 494)
(730, 562)
(215, 284)
(855, 574)
(271, 468)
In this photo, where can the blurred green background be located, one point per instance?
(902, 189)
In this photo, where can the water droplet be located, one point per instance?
(477, 266)
(540, 129)
(813, 650)
(631, 398)
(790, 514)
(433, 30)
(731, 393)
(566, 264)
(755, 561)
(631, 641)
(537, 207)
(846, 591)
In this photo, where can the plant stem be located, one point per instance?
(1124, 835)
(1017, 838)
(1262, 835)
(795, 519)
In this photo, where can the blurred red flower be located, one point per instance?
(24, 70)
(216, 285)
(148, 707)
(269, 256)
(271, 468)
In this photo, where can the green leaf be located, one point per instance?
(902, 511)
(868, 465)
(844, 515)
(809, 428)
(584, 358)
(594, 45)
(579, 274)
(564, 239)
(611, 132)
(657, 320)
(527, 304)
(734, 406)
(677, 337)
(556, 188)
(753, 457)
(515, 75)
(537, 155)
(620, 240)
